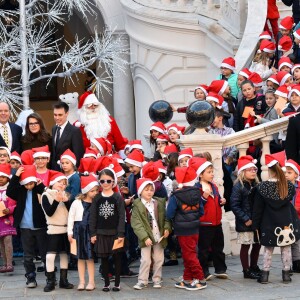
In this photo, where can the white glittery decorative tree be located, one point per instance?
(26, 43)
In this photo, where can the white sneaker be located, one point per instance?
(140, 286)
(157, 285)
(196, 285)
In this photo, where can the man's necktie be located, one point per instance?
(57, 136)
(5, 135)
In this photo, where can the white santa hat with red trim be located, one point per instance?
(7, 150)
(161, 168)
(246, 162)
(141, 183)
(87, 183)
(285, 61)
(287, 23)
(295, 89)
(218, 86)
(245, 73)
(29, 174)
(282, 91)
(292, 164)
(87, 98)
(228, 63)
(41, 152)
(135, 158)
(5, 170)
(150, 170)
(266, 46)
(297, 34)
(55, 176)
(178, 129)
(187, 152)
(297, 66)
(285, 44)
(185, 176)
(103, 145)
(273, 78)
(16, 156)
(68, 154)
(158, 126)
(199, 164)
(136, 144)
(265, 35)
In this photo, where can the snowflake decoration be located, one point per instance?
(106, 210)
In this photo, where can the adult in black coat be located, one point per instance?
(15, 134)
(292, 142)
(295, 8)
(70, 137)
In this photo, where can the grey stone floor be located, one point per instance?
(13, 286)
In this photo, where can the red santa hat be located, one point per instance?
(68, 154)
(90, 152)
(178, 129)
(287, 23)
(118, 168)
(150, 170)
(136, 144)
(295, 89)
(185, 176)
(285, 44)
(87, 183)
(41, 152)
(267, 46)
(163, 138)
(141, 183)
(16, 156)
(246, 162)
(5, 170)
(202, 87)
(256, 79)
(245, 73)
(86, 165)
(87, 98)
(265, 35)
(158, 126)
(103, 145)
(55, 176)
(187, 152)
(118, 158)
(170, 149)
(7, 150)
(273, 78)
(297, 34)
(285, 61)
(282, 91)
(135, 158)
(295, 67)
(228, 63)
(199, 164)
(161, 168)
(215, 98)
(27, 158)
(103, 162)
(29, 174)
(218, 86)
(271, 160)
(280, 157)
(292, 164)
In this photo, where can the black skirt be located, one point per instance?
(104, 244)
(58, 243)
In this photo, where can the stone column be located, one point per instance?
(243, 149)
(265, 150)
(123, 96)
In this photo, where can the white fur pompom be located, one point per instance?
(77, 124)
(180, 185)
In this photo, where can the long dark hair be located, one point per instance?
(42, 135)
(282, 184)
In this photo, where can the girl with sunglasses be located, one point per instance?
(107, 226)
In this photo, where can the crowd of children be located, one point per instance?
(120, 209)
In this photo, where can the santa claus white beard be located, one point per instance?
(96, 122)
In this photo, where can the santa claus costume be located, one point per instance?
(96, 122)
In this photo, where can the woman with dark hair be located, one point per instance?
(35, 133)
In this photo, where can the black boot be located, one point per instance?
(286, 278)
(248, 273)
(264, 277)
(50, 286)
(63, 281)
(296, 266)
(256, 270)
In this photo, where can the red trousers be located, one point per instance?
(274, 25)
(192, 267)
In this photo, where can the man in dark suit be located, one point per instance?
(10, 133)
(292, 143)
(64, 136)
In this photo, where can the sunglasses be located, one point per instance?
(109, 181)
